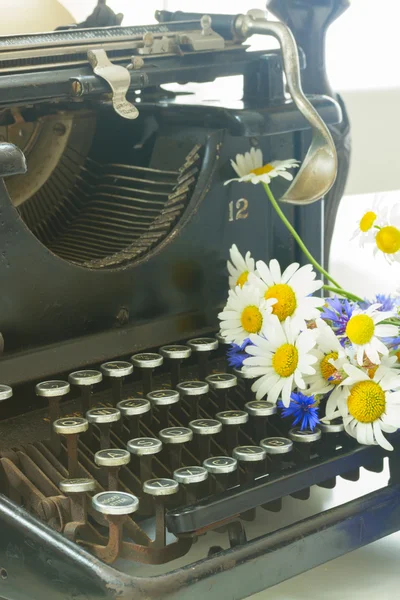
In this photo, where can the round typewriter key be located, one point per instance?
(221, 383)
(174, 438)
(304, 436)
(249, 454)
(335, 426)
(175, 354)
(304, 441)
(194, 392)
(115, 503)
(277, 445)
(192, 480)
(276, 449)
(219, 465)
(160, 489)
(70, 428)
(116, 371)
(204, 429)
(232, 420)
(5, 392)
(77, 486)
(259, 412)
(190, 475)
(113, 459)
(85, 380)
(203, 347)
(76, 490)
(147, 362)
(103, 418)
(132, 410)
(223, 470)
(53, 391)
(144, 449)
(163, 399)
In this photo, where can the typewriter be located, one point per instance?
(126, 441)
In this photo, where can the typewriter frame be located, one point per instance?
(32, 553)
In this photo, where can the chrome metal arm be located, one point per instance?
(317, 174)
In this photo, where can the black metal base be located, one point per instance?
(37, 563)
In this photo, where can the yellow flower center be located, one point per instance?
(367, 221)
(263, 170)
(241, 280)
(251, 319)
(360, 329)
(388, 239)
(286, 297)
(327, 369)
(285, 360)
(366, 402)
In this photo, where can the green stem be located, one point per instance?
(296, 236)
(341, 292)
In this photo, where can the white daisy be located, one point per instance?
(250, 167)
(292, 290)
(329, 373)
(363, 331)
(375, 216)
(370, 406)
(239, 267)
(245, 312)
(387, 236)
(280, 360)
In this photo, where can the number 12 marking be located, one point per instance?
(238, 210)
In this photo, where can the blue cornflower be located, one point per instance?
(303, 409)
(338, 311)
(236, 354)
(387, 302)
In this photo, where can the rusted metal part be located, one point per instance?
(161, 531)
(72, 449)
(54, 414)
(55, 475)
(36, 476)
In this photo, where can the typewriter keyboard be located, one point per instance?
(172, 437)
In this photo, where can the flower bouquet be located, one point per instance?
(318, 359)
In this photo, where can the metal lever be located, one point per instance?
(119, 80)
(318, 172)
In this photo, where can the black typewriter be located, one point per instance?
(126, 441)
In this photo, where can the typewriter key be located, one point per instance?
(204, 429)
(203, 347)
(175, 354)
(277, 448)
(163, 400)
(174, 438)
(250, 458)
(147, 362)
(53, 391)
(115, 503)
(77, 490)
(70, 428)
(247, 380)
(231, 420)
(191, 479)
(116, 371)
(304, 441)
(194, 392)
(160, 489)
(221, 468)
(259, 412)
(115, 506)
(221, 383)
(329, 440)
(145, 448)
(5, 392)
(113, 459)
(85, 380)
(132, 409)
(103, 418)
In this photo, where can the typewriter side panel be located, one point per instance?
(50, 299)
